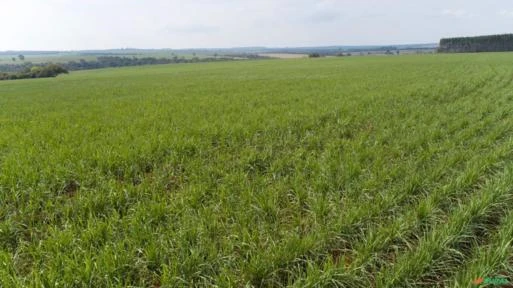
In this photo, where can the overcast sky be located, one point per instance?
(102, 24)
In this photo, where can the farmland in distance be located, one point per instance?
(342, 172)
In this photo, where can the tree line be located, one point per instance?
(50, 70)
(116, 61)
(490, 43)
(110, 61)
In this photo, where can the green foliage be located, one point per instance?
(116, 61)
(50, 70)
(491, 43)
(339, 172)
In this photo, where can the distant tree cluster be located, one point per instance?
(111, 61)
(116, 61)
(491, 43)
(15, 68)
(314, 55)
(50, 70)
(245, 56)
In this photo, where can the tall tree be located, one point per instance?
(491, 43)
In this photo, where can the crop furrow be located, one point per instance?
(384, 241)
(489, 260)
(376, 209)
(453, 239)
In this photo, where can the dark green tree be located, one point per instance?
(490, 43)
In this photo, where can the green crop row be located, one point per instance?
(341, 172)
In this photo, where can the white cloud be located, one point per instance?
(96, 24)
(192, 29)
(458, 13)
(323, 16)
(505, 13)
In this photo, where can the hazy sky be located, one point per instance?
(99, 24)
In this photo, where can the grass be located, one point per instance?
(342, 172)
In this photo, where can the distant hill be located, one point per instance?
(326, 50)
